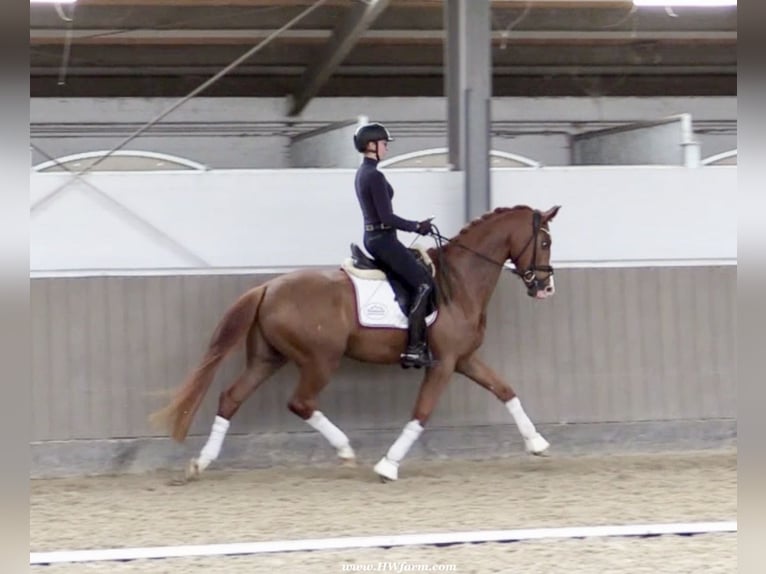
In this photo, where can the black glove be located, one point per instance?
(424, 227)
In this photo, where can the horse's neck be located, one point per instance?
(474, 278)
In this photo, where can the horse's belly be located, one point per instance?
(376, 345)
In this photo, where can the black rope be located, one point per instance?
(442, 271)
(441, 240)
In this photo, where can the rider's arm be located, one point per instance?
(382, 202)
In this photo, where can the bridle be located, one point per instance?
(528, 275)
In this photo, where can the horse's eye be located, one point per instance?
(545, 244)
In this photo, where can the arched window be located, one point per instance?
(120, 161)
(439, 158)
(725, 158)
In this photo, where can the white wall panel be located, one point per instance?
(288, 218)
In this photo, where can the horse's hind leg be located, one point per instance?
(476, 370)
(303, 403)
(261, 365)
(230, 401)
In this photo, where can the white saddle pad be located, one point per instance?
(376, 305)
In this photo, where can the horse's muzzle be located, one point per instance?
(541, 289)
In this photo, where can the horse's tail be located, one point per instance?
(236, 322)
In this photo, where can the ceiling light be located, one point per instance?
(52, 1)
(684, 3)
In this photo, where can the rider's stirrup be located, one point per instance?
(417, 358)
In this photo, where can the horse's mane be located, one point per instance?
(487, 216)
(437, 254)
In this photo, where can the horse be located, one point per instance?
(310, 317)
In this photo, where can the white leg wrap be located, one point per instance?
(526, 428)
(533, 441)
(388, 466)
(408, 437)
(332, 433)
(212, 447)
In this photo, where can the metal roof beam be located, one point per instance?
(337, 47)
(397, 71)
(345, 36)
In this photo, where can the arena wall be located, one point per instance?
(612, 345)
(636, 351)
(259, 219)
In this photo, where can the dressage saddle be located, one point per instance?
(361, 259)
(402, 294)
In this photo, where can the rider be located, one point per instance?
(380, 225)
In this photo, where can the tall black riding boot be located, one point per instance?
(417, 354)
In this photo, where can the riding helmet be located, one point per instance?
(371, 132)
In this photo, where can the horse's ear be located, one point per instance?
(551, 213)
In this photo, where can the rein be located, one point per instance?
(529, 275)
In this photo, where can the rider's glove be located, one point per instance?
(424, 227)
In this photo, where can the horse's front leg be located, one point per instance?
(476, 370)
(434, 383)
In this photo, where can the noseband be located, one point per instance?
(529, 275)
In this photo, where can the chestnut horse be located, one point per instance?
(309, 317)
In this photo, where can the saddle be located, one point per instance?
(362, 265)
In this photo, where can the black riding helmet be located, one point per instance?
(367, 133)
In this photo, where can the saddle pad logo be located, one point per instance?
(375, 310)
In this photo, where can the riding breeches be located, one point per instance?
(389, 252)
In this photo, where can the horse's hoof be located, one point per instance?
(347, 456)
(193, 471)
(346, 452)
(537, 445)
(387, 470)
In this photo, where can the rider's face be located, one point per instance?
(382, 148)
